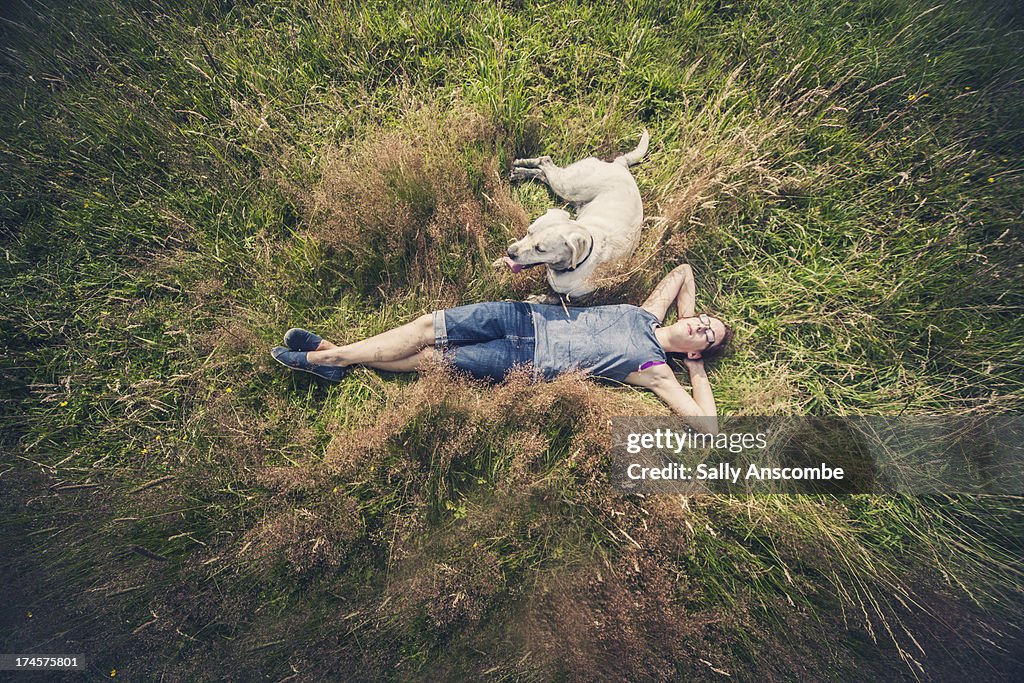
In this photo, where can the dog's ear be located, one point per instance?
(578, 243)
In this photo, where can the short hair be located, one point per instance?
(721, 346)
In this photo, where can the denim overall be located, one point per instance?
(489, 339)
(604, 341)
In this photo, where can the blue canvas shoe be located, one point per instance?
(296, 360)
(298, 339)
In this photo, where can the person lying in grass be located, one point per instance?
(623, 343)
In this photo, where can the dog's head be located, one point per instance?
(554, 240)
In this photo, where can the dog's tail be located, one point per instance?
(630, 158)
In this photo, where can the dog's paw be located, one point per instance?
(532, 163)
(548, 299)
(519, 173)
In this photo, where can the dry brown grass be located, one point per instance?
(443, 423)
(444, 418)
(305, 540)
(416, 202)
(607, 622)
(506, 211)
(769, 389)
(453, 593)
(230, 339)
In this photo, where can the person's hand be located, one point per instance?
(693, 364)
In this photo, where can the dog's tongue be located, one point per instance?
(512, 265)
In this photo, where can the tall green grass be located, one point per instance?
(180, 186)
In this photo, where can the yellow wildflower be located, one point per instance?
(911, 97)
(892, 189)
(228, 390)
(63, 403)
(991, 180)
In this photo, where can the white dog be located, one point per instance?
(609, 212)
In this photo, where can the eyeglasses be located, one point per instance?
(709, 333)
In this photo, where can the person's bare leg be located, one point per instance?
(394, 345)
(416, 361)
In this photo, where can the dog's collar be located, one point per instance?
(580, 262)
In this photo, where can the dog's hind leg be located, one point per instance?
(572, 183)
(578, 183)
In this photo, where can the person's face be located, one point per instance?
(698, 334)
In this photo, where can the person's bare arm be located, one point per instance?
(677, 286)
(701, 385)
(700, 414)
(686, 298)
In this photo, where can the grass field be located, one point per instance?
(181, 186)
